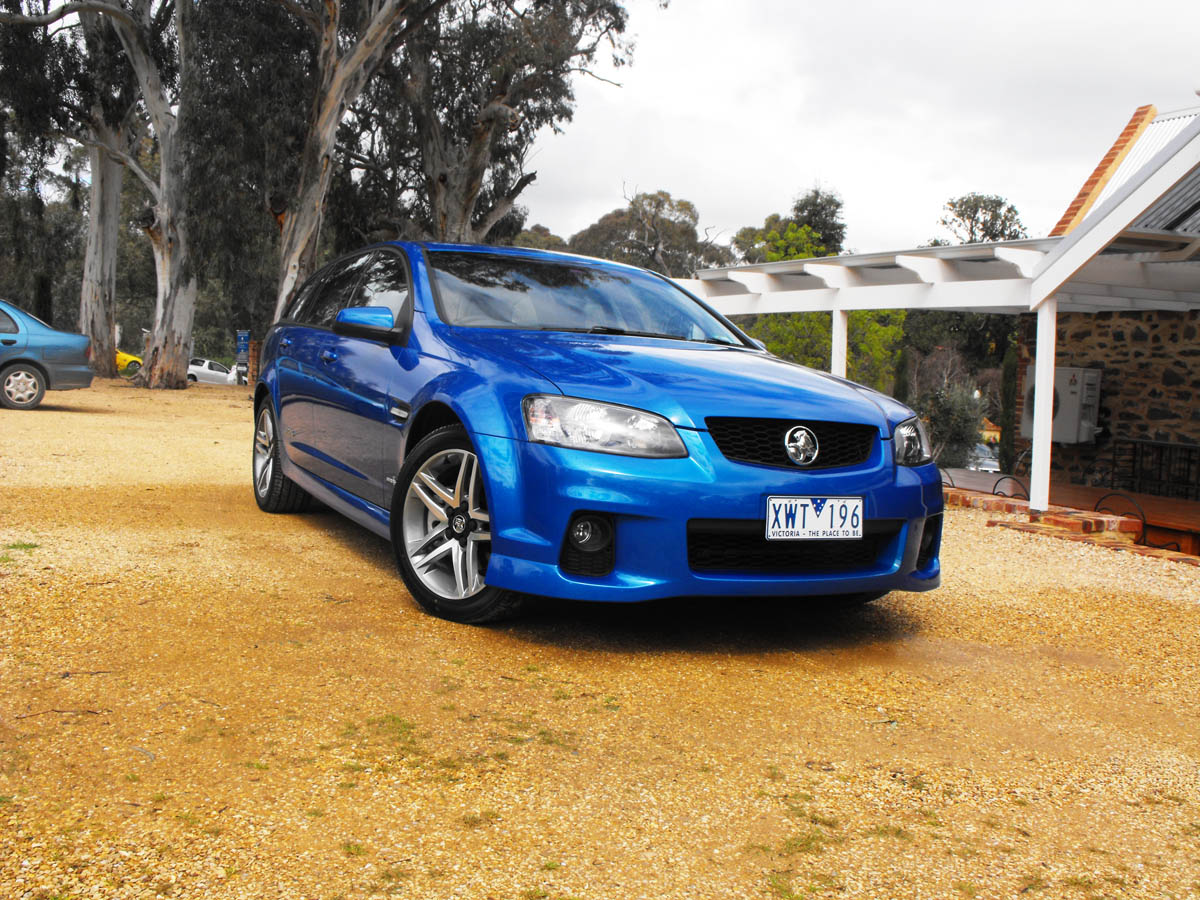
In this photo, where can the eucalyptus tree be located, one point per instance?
(656, 231)
(352, 40)
(150, 34)
(69, 81)
(437, 145)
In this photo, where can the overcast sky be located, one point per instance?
(740, 105)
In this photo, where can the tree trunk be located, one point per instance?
(165, 361)
(341, 77)
(302, 223)
(98, 300)
(169, 345)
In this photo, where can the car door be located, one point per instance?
(288, 345)
(12, 338)
(354, 417)
(324, 369)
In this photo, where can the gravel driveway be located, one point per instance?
(201, 700)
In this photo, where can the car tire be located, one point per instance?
(21, 386)
(192, 379)
(132, 369)
(274, 491)
(440, 521)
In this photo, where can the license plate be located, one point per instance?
(814, 518)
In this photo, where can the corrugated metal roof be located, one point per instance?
(1165, 128)
(1179, 210)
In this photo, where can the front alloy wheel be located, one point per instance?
(441, 530)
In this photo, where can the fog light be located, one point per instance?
(590, 534)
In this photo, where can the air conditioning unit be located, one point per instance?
(1076, 405)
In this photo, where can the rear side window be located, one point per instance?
(302, 299)
(339, 289)
(7, 325)
(385, 283)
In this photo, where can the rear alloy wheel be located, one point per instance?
(274, 491)
(21, 387)
(442, 531)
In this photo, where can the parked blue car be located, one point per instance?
(525, 423)
(34, 358)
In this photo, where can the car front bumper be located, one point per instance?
(534, 491)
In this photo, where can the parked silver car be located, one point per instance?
(208, 371)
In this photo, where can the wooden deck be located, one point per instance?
(1168, 521)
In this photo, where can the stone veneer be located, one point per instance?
(1150, 388)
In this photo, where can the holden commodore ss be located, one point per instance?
(521, 423)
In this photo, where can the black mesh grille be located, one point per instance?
(760, 441)
(739, 545)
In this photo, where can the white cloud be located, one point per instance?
(739, 106)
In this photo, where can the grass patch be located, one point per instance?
(812, 841)
(966, 888)
(354, 766)
(535, 894)
(256, 764)
(158, 797)
(892, 831)
(21, 545)
(781, 886)
(1032, 883)
(550, 865)
(350, 848)
(474, 820)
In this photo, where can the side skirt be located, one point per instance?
(356, 509)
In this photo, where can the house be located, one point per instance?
(1117, 287)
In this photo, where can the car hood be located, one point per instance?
(686, 381)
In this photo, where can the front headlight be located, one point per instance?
(588, 425)
(912, 443)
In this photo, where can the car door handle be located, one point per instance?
(328, 356)
(8, 342)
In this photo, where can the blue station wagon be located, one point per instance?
(35, 358)
(524, 423)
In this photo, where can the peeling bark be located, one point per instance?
(98, 298)
(342, 76)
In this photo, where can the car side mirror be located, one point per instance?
(372, 322)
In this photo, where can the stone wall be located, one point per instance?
(1150, 388)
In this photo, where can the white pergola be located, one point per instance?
(1135, 251)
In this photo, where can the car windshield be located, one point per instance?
(486, 291)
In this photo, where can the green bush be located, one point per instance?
(954, 415)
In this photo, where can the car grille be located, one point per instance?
(739, 545)
(760, 441)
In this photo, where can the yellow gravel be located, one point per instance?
(201, 700)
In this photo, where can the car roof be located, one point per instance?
(524, 253)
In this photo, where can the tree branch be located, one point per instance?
(67, 9)
(124, 158)
(505, 204)
(307, 16)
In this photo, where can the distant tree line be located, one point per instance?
(262, 136)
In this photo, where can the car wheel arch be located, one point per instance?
(33, 364)
(433, 415)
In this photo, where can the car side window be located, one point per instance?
(7, 324)
(217, 367)
(339, 290)
(302, 300)
(385, 283)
